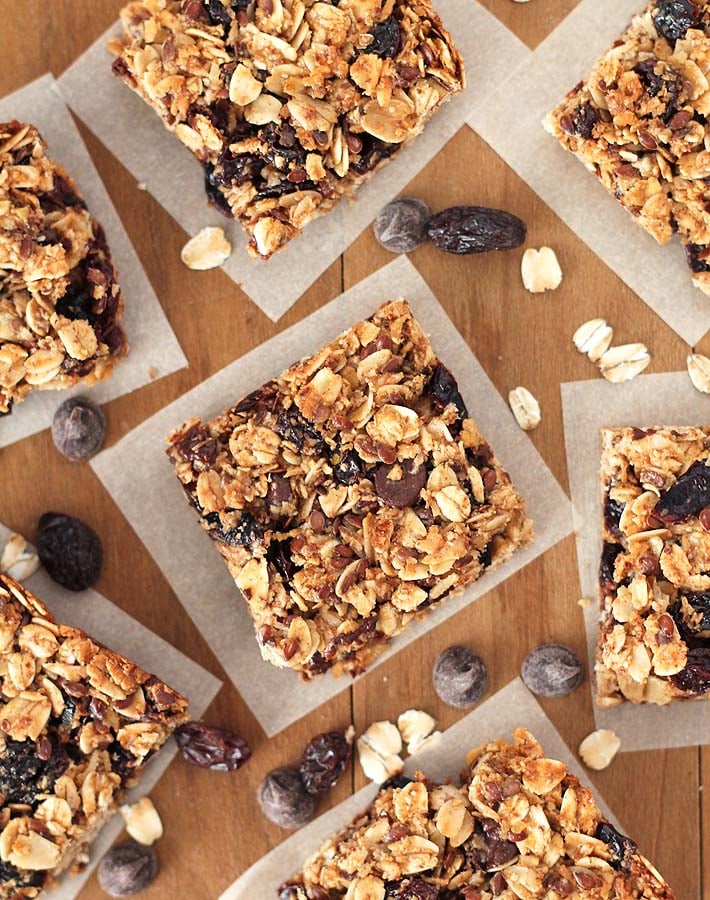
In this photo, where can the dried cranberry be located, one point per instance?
(673, 18)
(622, 848)
(197, 448)
(475, 229)
(69, 550)
(687, 497)
(348, 469)
(445, 390)
(324, 760)
(404, 491)
(386, 39)
(291, 426)
(695, 677)
(212, 748)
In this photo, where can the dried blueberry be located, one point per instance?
(687, 497)
(445, 390)
(285, 800)
(622, 848)
(78, 429)
(695, 677)
(673, 18)
(127, 869)
(401, 226)
(552, 670)
(386, 39)
(211, 748)
(403, 491)
(324, 760)
(475, 229)
(69, 550)
(460, 677)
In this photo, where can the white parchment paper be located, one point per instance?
(141, 480)
(136, 135)
(116, 629)
(587, 407)
(510, 121)
(154, 349)
(512, 707)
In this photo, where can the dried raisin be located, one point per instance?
(69, 550)
(212, 748)
(324, 760)
(475, 229)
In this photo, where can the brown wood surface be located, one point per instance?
(213, 831)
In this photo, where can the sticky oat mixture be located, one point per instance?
(654, 641)
(519, 827)
(350, 494)
(60, 303)
(639, 123)
(288, 104)
(77, 724)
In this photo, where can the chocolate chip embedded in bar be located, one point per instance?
(639, 123)
(78, 723)
(350, 494)
(60, 303)
(518, 826)
(289, 105)
(654, 637)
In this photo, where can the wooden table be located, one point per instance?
(213, 831)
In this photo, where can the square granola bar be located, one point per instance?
(289, 105)
(639, 123)
(519, 826)
(60, 303)
(654, 637)
(78, 723)
(350, 494)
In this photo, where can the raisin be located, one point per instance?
(412, 889)
(60, 197)
(214, 195)
(584, 119)
(673, 18)
(475, 229)
(397, 781)
(76, 306)
(212, 748)
(695, 677)
(247, 533)
(348, 469)
(700, 602)
(324, 760)
(612, 515)
(622, 848)
(403, 491)
(279, 555)
(69, 550)
(218, 13)
(292, 890)
(78, 429)
(606, 566)
(687, 497)
(661, 81)
(386, 39)
(23, 774)
(291, 426)
(9, 875)
(698, 257)
(445, 390)
(196, 448)
(372, 152)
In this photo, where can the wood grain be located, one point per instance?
(212, 830)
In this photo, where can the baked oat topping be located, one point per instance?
(288, 104)
(638, 122)
(77, 724)
(654, 637)
(519, 826)
(349, 495)
(60, 303)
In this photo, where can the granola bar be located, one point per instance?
(349, 495)
(654, 636)
(60, 302)
(288, 104)
(519, 826)
(77, 724)
(639, 123)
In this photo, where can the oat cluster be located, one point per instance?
(60, 303)
(350, 494)
(638, 122)
(519, 826)
(77, 724)
(289, 105)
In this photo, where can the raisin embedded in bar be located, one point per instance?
(60, 303)
(654, 643)
(518, 826)
(639, 123)
(288, 105)
(78, 724)
(350, 494)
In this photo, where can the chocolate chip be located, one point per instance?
(284, 799)
(401, 226)
(460, 677)
(127, 869)
(78, 429)
(404, 491)
(552, 670)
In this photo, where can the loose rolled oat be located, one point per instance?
(593, 338)
(518, 826)
(540, 270)
(289, 105)
(17, 559)
(619, 364)
(599, 748)
(699, 371)
(60, 303)
(525, 408)
(206, 250)
(143, 822)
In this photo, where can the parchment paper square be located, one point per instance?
(141, 480)
(588, 406)
(511, 708)
(153, 346)
(136, 135)
(120, 632)
(510, 120)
